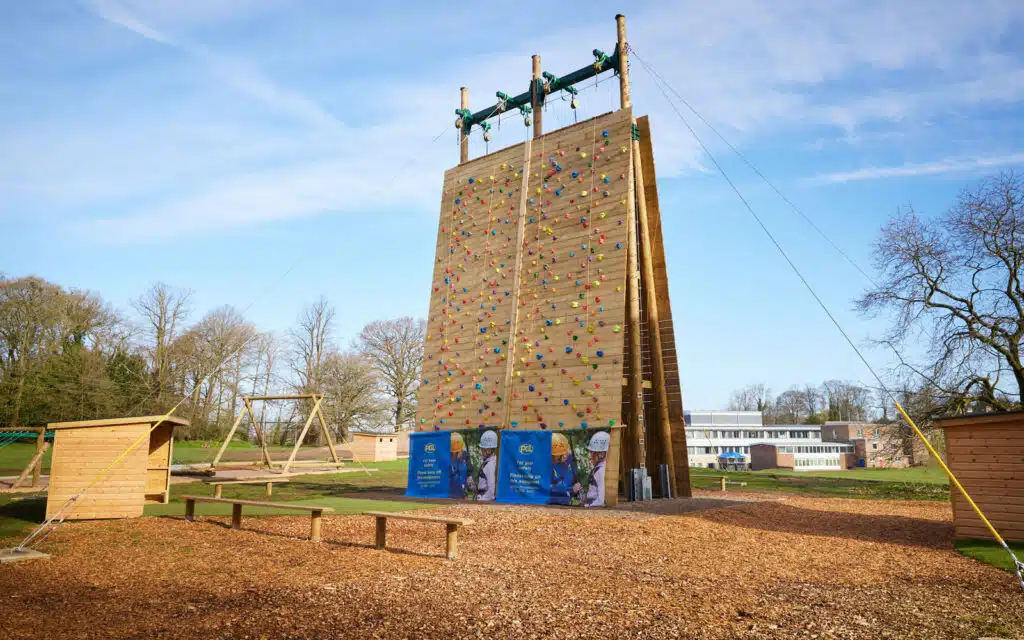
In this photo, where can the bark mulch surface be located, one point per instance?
(797, 567)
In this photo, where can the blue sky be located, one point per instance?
(262, 152)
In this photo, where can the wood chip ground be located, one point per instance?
(789, 568)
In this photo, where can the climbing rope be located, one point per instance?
(659, 82)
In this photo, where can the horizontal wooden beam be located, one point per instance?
(299, 396)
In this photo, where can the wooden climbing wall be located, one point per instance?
(528, 297)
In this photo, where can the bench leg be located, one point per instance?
(236, 516)
(270, 489)
(218, 491)
(190, 510)
(314, 525)
(382, 532)
(452, 543)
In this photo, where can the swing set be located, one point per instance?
(315, 400)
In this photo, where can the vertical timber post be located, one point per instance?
(464, 131)
(635, 427)
(535, 102)
(653, 323)
(37, 470)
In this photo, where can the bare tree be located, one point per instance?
(350, 389)
(395, 347)
(790, 407)
(311, 342)
(955, 281)
(753, 397)
(163, 310)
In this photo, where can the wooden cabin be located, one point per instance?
(373, 447)
(83, 450)
(986, 453)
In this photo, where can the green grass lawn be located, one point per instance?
(989, 552)
(14, 457)
(20, 513)
(888, 484)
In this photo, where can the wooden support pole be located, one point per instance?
(620, 24)
(38, 469)
(452, 541)
(218, 490)
(190, 510)
(259, 431)
(302, 436)
(236, 516)
(32, 467)
(270, 489)
(327, 435)
(382, 532)
(314, 525)
(463, 132)
(653, 323)
(635, 449)
(723, 482)
(535, 90)
(230, 435)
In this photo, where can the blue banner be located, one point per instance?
(429, 464)
(524, 467)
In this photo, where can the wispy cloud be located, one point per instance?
(233, 72)
(937, 167)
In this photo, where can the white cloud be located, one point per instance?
(937, 167)
(247, 130)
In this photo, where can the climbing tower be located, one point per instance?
(549, 304)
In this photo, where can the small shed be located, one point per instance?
(986, 453)
(373, 447)
(83, 450)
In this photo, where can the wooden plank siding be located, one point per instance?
(986, 453)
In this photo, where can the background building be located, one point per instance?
(801, 447)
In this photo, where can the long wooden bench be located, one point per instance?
(724, 480)
(316, 512)
(218, 485)
(452, 526)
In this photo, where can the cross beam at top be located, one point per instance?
(543, 85)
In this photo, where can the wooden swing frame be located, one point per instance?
(314, 412)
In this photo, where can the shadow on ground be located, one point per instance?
(787, 518)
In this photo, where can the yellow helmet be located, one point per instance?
(458, 444)
(559, 445)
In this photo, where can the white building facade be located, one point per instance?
(712, 433)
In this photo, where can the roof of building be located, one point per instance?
(113, 422)
(982, 418)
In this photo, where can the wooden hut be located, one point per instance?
(83, 450)
(373, 447)
(986, 452)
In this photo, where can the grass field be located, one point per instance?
(989, 552)
(14, 457)
(884, 484)
(19, 513)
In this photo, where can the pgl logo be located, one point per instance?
(430, 447)
(526, 448)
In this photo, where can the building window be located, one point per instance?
(860, 433)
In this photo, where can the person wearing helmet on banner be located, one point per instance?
(598, 448)
(459, 467)
(562, 477)
(486, 482)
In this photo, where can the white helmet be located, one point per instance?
(489, 440)
(599, 442)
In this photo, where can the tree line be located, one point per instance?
(809, 403)
(66, 354)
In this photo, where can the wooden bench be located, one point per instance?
(725, 480)
(452, 526)
(316, 512)
(218, 485)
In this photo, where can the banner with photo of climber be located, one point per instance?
(577, 467)
(474, 464)
(513, 466)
